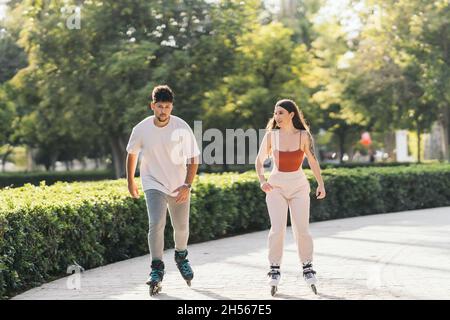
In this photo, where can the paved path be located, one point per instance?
(403, 255)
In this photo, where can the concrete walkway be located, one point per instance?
(403, 255)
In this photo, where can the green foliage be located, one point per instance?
(17, 179)
(89, 87)
(370, 190)
(267, 67)
(7, 115)
(364, 165)
(12, 57)
(228, 62)
(44, 229)
(400, 74)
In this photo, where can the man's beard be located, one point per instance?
(162, 118)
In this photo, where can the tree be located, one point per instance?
(98, 80)
(12, 57)
(7, 117)
(298, 16)
(394, 74)
(267, 66)
(326, 79)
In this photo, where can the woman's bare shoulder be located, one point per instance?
(304, 134)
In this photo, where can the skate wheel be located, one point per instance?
(314, 289)
(154, 290)
(273, 290)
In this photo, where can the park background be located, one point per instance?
(372, 77)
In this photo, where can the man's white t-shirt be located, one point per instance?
(165, 151)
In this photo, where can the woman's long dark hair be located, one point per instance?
(298, 120)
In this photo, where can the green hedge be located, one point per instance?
(362, 191)
(18, 179)
(45, 229)
(327, 165)
(365, 164)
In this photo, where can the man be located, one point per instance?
(169, 164)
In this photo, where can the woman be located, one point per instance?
(287, 141)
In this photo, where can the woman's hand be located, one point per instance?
(320, 192)
(266, 187)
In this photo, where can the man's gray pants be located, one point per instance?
(157, 204)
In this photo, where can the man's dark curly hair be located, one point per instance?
(162, 93)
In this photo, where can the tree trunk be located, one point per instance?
(418, 144)
(389, 143)
(444, 121)
(341, 145)
(351, 152)
(30, 160)
(83, 163)
(119, 156)
(4, 158)
(224, 156)
(3, 163)
(53, 159)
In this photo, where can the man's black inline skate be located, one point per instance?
(156, 277)
(184, 266)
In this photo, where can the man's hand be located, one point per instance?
(133, 189)
(183, 194)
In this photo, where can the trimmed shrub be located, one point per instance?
(18, 179)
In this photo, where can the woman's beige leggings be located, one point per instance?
(290, 190)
